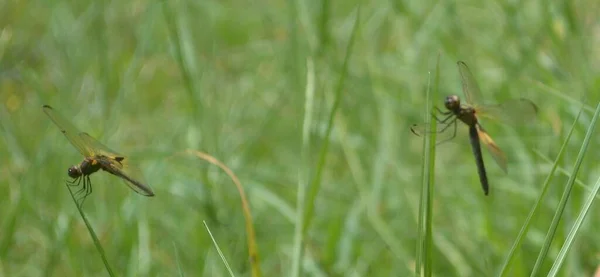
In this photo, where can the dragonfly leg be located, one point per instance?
(453, 132)
(88, 190)
(82, 193)
(71, 183)
(441, 121)
(76, 183)
(442, 112)
(453, 122)
(448, 115)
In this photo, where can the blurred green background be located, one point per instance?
(230, 78)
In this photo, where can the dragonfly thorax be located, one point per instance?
(87, 167)
(452, 103)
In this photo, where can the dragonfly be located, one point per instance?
(96, 157)
(511, 111)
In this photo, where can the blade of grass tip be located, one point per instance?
(304, 173)
(562, 254)
(430, 180)
(218, 249)
(179, 267)
(92, 234)
(566, 193)
(316, 182)
(538, 203)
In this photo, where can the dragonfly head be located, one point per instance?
(452, 103)
(74, 172)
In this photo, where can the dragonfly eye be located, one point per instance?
(74, 172)
(452, 102)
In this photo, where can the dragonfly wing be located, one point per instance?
(513, 111)
(444, 131)
(131, 175)
(469, 85)
(96, 147)
(70, 131)
(496, 152)
(118, 165)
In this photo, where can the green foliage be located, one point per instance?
(236, 79)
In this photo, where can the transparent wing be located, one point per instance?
(130, 174)
(513, 111)
(70, 131)
(496, 152)
(469, 85)
(96, 147)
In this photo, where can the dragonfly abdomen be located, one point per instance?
(476, 146)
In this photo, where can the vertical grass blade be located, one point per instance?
(178, 260)
(538, 203)
(304, 174)
(566, 193)
(185, 58)
(316, 181)
(425, 241)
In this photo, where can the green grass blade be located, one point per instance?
(425, 241)
(304, 175)
(178, 34)
(538, 203)
(93, 235)
(581, 217)
(315, 184)
(218, 249)
(423, 198)
(316, 181)
(178, 260)
(566, 193)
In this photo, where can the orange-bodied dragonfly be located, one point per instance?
(97, 156)
(514, 110)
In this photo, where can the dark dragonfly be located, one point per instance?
(97, 156)
(513, 110)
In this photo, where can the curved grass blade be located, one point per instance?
(510, 258)
(565, 197)
(250, 234)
